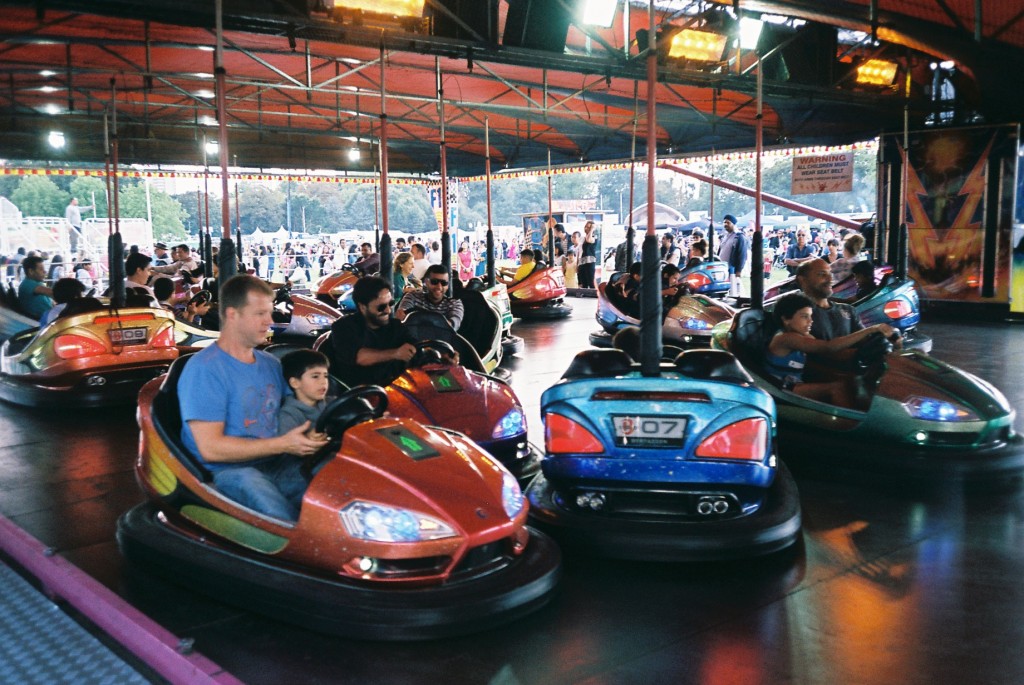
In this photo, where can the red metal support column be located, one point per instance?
(446, 240)
(386, 260)
(757, 240)
(490, 223)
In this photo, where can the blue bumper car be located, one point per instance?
(675, 467)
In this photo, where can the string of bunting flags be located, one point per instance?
(870, 145)
(100, 173)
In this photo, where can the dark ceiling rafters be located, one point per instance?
(288, 104)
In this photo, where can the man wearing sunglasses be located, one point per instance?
(369, 346)
(433, 298)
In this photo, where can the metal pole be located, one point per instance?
(551, 204)
(109, 177)
(630, 229)
(115, 248)
(490, 225)
(550, 229)
(446, 254)
(711, 211)
(902, 239)
(385, 240)
(650, 286)
(227, 261)
(757, 241)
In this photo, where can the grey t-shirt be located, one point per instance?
(295, 413)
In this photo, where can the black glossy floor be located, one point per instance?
(888, 586)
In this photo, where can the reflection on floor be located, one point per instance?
(888, 587)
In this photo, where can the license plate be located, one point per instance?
(649, 431)
(129, 336)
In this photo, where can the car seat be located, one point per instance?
(712, 365)
(598, 364)
(166, 414)
(750, 334)
(480, 324)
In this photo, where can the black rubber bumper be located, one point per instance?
(833, 455)
(120, 389)
(339, 606)
(601, 338)
(774, 527)
(511, 345)
(555, 309)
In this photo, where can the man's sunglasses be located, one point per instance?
(437, 281)
(381, 308)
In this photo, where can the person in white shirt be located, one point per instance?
(420, 263)
(434, 256)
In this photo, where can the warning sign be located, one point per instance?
(828, 172)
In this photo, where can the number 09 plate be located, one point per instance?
(649, 431)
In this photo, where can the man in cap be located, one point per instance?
(160, 255)
(733, 251)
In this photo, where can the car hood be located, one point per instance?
(452, 397)
(401, 463)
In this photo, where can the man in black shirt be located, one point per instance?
(369, 346)
(831, 319)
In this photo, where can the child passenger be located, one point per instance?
(788, 350)
(305, 372)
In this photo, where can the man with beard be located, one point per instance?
(370, 346)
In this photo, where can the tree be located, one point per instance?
(88, 188)
(167, 212)
(39, 196)
(261, 206)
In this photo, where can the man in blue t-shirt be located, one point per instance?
(230, 394)
(33, 294)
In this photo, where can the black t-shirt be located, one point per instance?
(351, 334)
(834, 322)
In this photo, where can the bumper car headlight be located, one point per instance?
(697, 324)
(511, 495)
(380, 523)
(512, 423)
(318, 320)
(930, 409)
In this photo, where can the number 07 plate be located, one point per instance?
(649, 431)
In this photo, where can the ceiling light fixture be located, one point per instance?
(397, 8)
(700, 46)
(599, 12)
(877, 72)
(750, 32)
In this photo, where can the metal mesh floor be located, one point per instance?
(39, 643)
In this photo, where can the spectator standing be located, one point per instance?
(799, 252)
(73, 217)
(733, 251)
(587, 268)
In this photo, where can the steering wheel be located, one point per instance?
(361, 403)
(284, 295)
(871, 352)
(351, 268)
(200, 298)
(431, 352)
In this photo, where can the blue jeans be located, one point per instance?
(273, 487)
